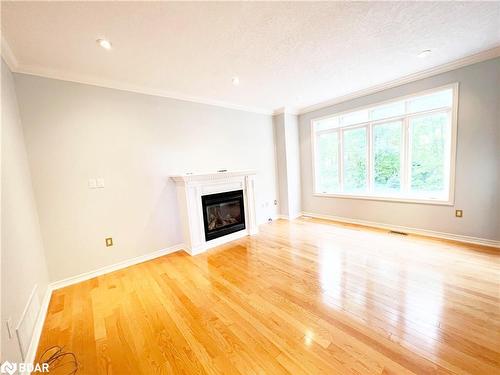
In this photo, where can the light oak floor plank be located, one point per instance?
(302, 297)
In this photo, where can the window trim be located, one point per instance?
(453, 111)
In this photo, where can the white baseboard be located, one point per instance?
(284, 217)
(26, 324)
(288, 217)
(31, 353)
(400, 228)
(114, 267)
(37, 331)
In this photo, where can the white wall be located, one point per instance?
(477, 188)
(293, 165)
(22, 259)
(288, 160)
(135, 142)
(282, 173)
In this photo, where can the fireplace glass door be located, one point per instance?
(223, 213)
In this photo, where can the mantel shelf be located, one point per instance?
(191, 177)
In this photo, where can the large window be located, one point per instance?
(398, 150)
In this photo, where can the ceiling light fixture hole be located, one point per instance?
(104, 43)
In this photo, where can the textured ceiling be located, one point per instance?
(285, 53)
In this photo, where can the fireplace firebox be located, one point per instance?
(223, 213)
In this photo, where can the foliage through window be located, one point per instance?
(400, 149)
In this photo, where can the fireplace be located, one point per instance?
(223, 213)
(195, 192)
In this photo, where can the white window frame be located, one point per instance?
(453, 112)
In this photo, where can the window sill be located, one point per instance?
(387, 199)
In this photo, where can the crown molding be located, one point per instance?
(279, 111)
(12, 62)
(87, 80)
(452, 65)
(14, 66)
(8, 56)
(285, 110)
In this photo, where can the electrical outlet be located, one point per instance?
(109, 241)
(275, 202)
(459, 213)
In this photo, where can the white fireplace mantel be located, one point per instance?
(192, 186)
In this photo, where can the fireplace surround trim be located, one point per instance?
(190, 189)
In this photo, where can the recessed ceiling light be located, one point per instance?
(425, 53)
(106, 44)
(235, 81)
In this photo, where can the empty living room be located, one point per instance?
(250, 187)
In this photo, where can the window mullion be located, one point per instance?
(369, 164)
(316, 162)
(341, 159)
(405, 160)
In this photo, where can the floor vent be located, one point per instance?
(396, 232)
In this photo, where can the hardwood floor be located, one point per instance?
(301, 297)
